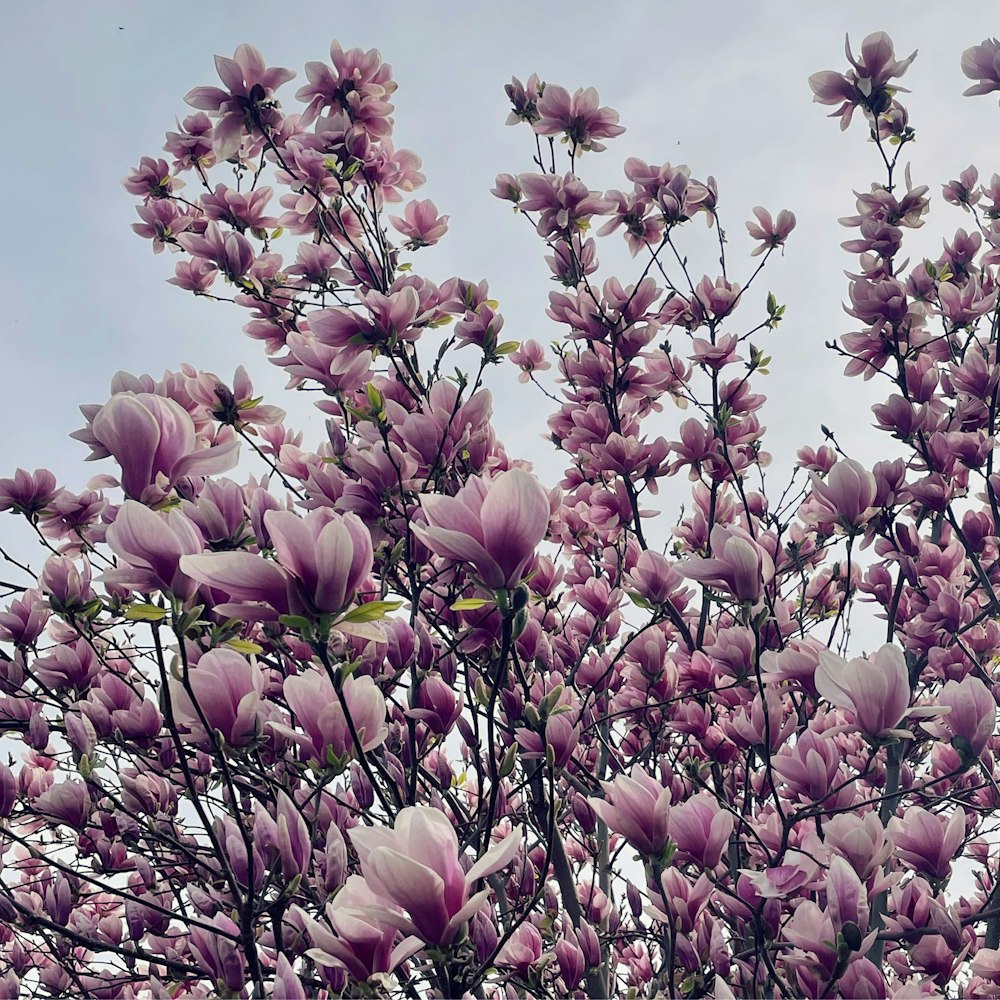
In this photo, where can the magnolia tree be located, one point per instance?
(393, 718)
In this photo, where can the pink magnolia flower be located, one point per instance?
(866, 85)
(250, 87)
(638, 808)
(232, 253)
(27, 492)
(66, 802)
(218, 955)
(657, 579)
(494, 525)
(786, 879)
(151, 180)
(420, 223)
(927, 841)
(415, 866)
(738, 565)
(354, 81)
(225, 696)
(529, 357)
(972, 719)
(982, 63)
(149, 546)
(876, 690)
(579, 117)
(323, 557)
(771, 233)
(680, 901)
(318, 711)
(701, 829)
(845, 498)
(153, 440)
(357, 939)
(846, 896)
(859, 840)
(523, 950)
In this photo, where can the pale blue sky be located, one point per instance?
(720, 86)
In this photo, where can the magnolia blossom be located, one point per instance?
(495, 525)
(420, 223)
(319, 712)
(153, 440)
(225, 695)
(771, 233)
(579, 116)
(701, 829)
(738, 565)
(972, 718)
(927, 841)
(415, 867)
(323, 557)
(638, 808)
(149, 546)
(876, 690)
(249, 84)
(358, 939)
(845, 498)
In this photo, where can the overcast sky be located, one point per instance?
(721, 86)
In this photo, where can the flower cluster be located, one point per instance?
(393, 718)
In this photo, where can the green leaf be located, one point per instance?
(294, 621)
(507, 347)
(373, 611)
(470, 604)
(244, 646)
(145, 613)
(639, 601)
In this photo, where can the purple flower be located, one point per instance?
(982, 63)
(579, 117)
(149, 546)
(845, 498)
(738, 565)
(358, 85)
(153, 439)
(151, 180)
(565, 203)
(28, 493)
(415, 866)
(523, 950)
(230, 252)
(67, 802)
(357, 938)
(972, 718)
(867, 84)
(770, 233)
(247, 100)
(318, 711)
(225, 695)
(928, 841)
(529, 357)
(323, 557)
(494, 525)
(638, 808)
(876, 690)
(701, 829)
(218, 955)
(421, 224)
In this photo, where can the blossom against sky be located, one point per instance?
(721, 86)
